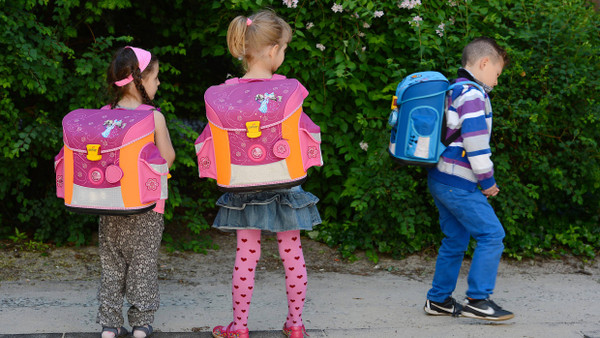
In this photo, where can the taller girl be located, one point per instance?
(260, 42)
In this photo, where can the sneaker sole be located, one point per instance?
(494, 319)
(432, 312)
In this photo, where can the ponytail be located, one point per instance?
(236, 37)
(247, 35)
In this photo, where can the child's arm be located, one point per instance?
(476, 136)
(162, 138)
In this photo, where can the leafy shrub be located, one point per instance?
(350, 55)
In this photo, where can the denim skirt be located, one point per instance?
(272, 210)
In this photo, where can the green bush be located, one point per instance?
(546, 122)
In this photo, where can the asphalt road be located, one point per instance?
(338, 305)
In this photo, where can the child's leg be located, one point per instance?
(144, 237)
(112, 282)
(470, 214)
(290, 251)
(246, 257)
(454, 245)
(487, 230)
(450, 256)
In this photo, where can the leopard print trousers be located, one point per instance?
(128, 249)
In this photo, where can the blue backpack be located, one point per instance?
(418, 120)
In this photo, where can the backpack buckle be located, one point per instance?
(93, 151)
(394, 102)
(253, 128)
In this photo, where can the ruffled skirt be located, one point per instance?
(274, 210)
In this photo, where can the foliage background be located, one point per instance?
(54, 54)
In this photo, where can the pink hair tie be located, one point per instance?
(143, 56)
(248, 22)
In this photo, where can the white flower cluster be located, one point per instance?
(290, 3)
(440, 30)
(409, 4)
(364, 145)
(416, 21)
(310, 25)
(320, 46)
(337, 8)
(378, 14)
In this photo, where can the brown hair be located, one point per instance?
(482, 47)
(265, 29)
(125, 62)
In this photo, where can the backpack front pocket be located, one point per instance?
(310, 142)
(153, 172)
(205, 151)
(423, 124)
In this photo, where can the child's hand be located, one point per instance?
(491, 191)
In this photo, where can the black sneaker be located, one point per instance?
(447, 308)
(484, 309)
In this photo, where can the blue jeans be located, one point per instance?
(464, 214)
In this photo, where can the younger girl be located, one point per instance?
(129, 245)
(260, 42)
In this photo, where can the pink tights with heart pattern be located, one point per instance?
(246, 258)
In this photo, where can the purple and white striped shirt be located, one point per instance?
(466, 162)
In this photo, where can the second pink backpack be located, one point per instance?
(257, 137)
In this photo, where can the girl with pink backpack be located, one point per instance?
(128, 245)
(247, 117)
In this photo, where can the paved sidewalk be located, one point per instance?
(338, 305)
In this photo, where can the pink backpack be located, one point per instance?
(109, 163)
(258, 137)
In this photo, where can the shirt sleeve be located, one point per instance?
(476, 131)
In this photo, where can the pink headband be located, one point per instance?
(143, 57)
(248, 22)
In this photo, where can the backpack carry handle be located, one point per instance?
(452, 86)
(421, 97)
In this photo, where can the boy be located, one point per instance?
(463, 208)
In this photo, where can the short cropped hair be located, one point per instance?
(482, 47)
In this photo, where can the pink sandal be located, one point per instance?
(226, 332)
(294, 331)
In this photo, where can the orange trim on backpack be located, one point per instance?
(222, 155)
(128, 161)
(68, 174)
(290, 133)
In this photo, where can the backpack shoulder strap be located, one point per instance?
(140, 107)
(456, 135)
(234, 80)
(470, 83)
(448, 141)
(146, 107)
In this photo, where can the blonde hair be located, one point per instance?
(248, 35)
